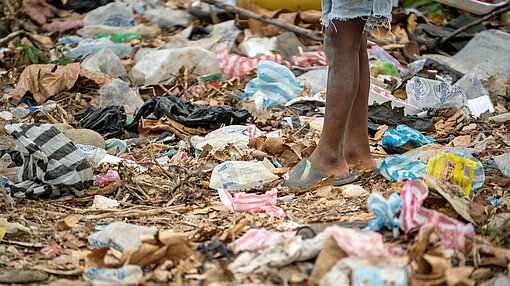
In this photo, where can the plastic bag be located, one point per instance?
(120, 235)
(316, 79)
(106, 62)
(487, 53)
(382, 67)
(109, 120)
(452, 168)
(240, 176)
(252, 203)
(453, 233)
(254, 47)
(189, 114)
(236, 66)
(114, 14)
(50, 169)
(80, 6)
(167, 18)
(385, 211)
(380, 54)
(402, 134)
(160, 65)
(503, 163)
(93, 154)
(275, 85)
(255, 239)
(89, 47)
(434, 94)
(118, 93)
(358, 271)
(125, 275)
(410, 164)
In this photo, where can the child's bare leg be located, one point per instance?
(342, 48)
(356, 147)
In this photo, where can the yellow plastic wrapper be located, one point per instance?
(455, 169)
(2, 233)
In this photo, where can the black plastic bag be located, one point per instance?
(109, 120)
(189, 114)
(80, 6)
(383, 114)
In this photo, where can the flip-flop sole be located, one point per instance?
(304, 176)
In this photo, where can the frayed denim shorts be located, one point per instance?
(376, 13)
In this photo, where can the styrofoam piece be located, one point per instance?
(380, 95)
(474, 6)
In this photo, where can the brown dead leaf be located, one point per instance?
(459, 276)
(464, 140)
(70, 221)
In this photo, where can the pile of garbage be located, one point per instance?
(142, 142)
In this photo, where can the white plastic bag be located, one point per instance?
(160, 65)
(167, 18)
(503, 163)
(254, 47)
(117, 92)
(113, 14)
(120, 235)
(129, 274)
(240, 176)
(106, 62)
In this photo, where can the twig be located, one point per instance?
(472, 24)
(9, 37)
(317, 36)
(167, 174)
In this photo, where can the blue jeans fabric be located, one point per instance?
(374, 12)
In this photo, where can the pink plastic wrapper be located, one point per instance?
(243, 202)
(235, 66)
(317, 58)
(260, 238)
(362, 243)
(110, 176)
(453, 233)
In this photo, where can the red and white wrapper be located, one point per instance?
(253, 131)
(235, 66)
(361, 243)
(243, 202)
(260, 238)
(452, 232)
(308, 59)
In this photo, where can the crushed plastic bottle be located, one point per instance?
(117, 92)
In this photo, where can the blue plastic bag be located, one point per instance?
(403, 134)
(275, 85)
